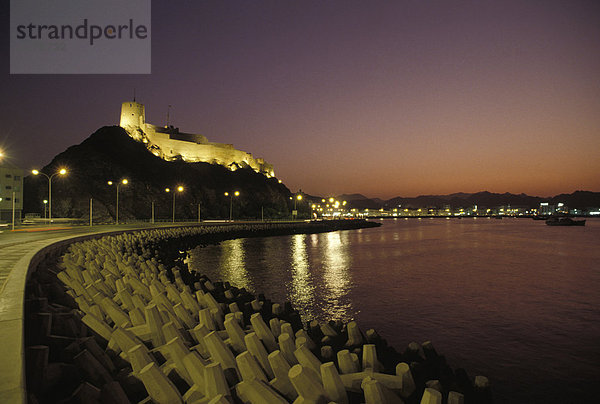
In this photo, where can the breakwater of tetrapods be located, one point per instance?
(120, 319)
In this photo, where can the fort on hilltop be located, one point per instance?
(169, 143)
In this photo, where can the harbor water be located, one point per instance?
(513, 299)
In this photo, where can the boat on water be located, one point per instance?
(564, 221)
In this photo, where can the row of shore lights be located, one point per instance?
(330, 205)
(124, 181)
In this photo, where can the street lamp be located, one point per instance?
(124, 181)
(296, 199)
(231, 195)
(62, 171)
(45, 207)
(179, 189)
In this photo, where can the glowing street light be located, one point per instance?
(296, 199)
(45, 207)
(62, 171)
(179, 189)
(124, 181)
(231, 195)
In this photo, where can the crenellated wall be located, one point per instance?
(170, 144)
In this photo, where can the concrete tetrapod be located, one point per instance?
(369, 358)
(308, 340)
(92, 368)
(287, 348)
(171, 331)
(332, 383)
(219, 399)
(257, 392)
(159, 387)
(434, 384)
(456, 398)
(327, 352)
(249, 367)
(195, 394)
(177, 352)
(482, 389)
(376, 393)
(214, 381)
(431, 396)
(139, 358)
(281, 370)
(307, 359)
(307, 384)
(236, 334)
(286, 328)
(195, 368)
(263, 332)
(275, 326)
(155, 323)
(345, 362)
(126, 340)
(206, 319)
(257, 349)
(233, 307)
(137, 317)
(189, 302)
(184, 316)
(354, 335)
(220, 353)
(198, 333)
(407, 381)
(99, 326)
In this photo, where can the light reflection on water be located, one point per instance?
(310, 271)
(336, 277)
(232, 264)
(511, 299)
(302, 290)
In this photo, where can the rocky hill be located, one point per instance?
(110, 154)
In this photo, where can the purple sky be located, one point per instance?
(386, 98)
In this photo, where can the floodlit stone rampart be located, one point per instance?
(170, 144)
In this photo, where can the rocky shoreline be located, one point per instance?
(120, 319)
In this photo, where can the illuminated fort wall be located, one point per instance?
(170, 144)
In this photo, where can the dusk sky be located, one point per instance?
(383, 98)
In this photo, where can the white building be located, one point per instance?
(11, 191)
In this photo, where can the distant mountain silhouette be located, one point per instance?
(351, 197)
(110, 154)
(578, 199)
